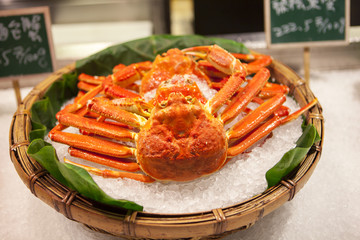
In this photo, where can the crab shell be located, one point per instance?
(181, 140)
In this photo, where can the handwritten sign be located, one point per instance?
(306, 22)
(25, 42)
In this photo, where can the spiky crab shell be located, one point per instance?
(181, 141)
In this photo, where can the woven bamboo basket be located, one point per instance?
(211, 224)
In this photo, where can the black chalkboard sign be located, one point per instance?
(25, 42)
(306, 22)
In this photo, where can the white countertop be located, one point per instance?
(326, 208)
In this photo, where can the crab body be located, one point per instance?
(181, 140)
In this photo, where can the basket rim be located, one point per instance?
(220, 220)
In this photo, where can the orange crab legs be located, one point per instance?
(122, 76)
(114, 85)
(99, 150)
(118, 163)
(256, 117)
(271, 89)
(256, 61)
(93, 144)
(113, 174)
(129, 74)
(103, 152)
(226, 63)
(98, 128)
(77, 108)
(238, 104)
(88, 83)
(262, 130)
(109, 109)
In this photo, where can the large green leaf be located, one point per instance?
(293, 157)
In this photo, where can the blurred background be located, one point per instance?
(82, 27)
(328, 206)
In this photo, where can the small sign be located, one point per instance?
(306, 23)
(26, 45)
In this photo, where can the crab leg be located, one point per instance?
(96, 80)
(70, 108)
(265, 129)
(106, 108)
(255, 136)
(88, 82)
(104, 160)
(256, 117)
(112, 174)
(119, 124)
(226, 63)
(271, 89)
(225, 93)
(81, 102)
(258, 61)
(59, 127)
(115, 91)
(78, 107)
(84, 86)
(96, 127)
(210, 70)
(134, 105)
(92, 144)
(299, 112)
(80, 112)
(239, 103)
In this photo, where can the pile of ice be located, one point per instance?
(242, 178)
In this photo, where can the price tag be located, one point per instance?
(25, 42)
(306, 23)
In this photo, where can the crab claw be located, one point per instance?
(127, 75)
(218, 57)
(255, 61)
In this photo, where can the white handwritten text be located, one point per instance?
(23, 56)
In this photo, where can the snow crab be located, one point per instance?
(178, 135)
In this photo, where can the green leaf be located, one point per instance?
(293, 158)
(72, 176)
(43, 111)
(45, 154)
(38, 131)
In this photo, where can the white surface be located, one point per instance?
(326, 208)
